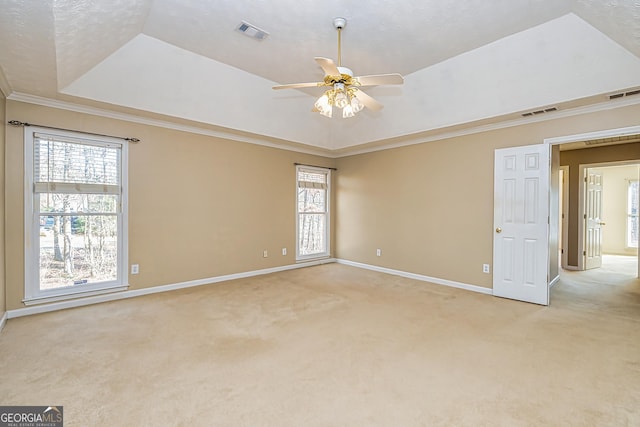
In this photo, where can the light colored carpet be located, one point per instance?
(334, 346)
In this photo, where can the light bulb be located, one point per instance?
(341, 100)
(347, 112)
(327, 112)
(356, 105)
(322, 102)
(323, 106)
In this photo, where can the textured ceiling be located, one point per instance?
(183, 59)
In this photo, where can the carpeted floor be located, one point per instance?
(335, 346)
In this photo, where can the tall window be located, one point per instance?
(632, 215)
(75, 214)
(313, 212)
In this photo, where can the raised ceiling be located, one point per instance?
(465, 62)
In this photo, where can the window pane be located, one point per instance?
(77, 250)
(632, 234)
(57, 160)
(632, 210)
(311, 234)
(308, 176)
(311, 200)
(84, 203)
(632, 203)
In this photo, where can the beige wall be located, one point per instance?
(199, 206)
(2, 205)
(614, 210)
(202, 207)
(429, 207)
(574, 159)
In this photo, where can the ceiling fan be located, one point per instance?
(344, 89)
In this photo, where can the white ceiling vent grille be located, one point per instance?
(252, 31)
(614, 140)
(540, 111)
(621, 94)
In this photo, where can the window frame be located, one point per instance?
(32, 292)
(327, 213)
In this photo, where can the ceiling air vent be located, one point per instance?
(614, 140)
(252, 31)
(621, 94)
(540, 111)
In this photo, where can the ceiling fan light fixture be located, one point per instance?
(348, 112)
(323, 104)
(341, 99)
(328, 112)
(342, 86)
(356, 105)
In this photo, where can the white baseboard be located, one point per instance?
(45, 308)
(437, 281)
(3, 320)
(554, 281)
(571, 267)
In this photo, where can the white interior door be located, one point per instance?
(593, 220)
(521, 223)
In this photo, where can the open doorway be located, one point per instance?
(607, 221)
(614, 157)
(619, 245)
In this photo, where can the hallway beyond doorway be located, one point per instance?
(612, 287)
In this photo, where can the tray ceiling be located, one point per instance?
(464, 62)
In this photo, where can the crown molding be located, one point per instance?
(407, 140)
(101, 112)
(418, 139)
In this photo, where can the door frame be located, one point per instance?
(564, 217)
(608, 133)
(582, 199)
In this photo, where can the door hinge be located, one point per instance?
(585, 216)
(584, 253)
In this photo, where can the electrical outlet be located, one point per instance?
(265, 254)
(284, 251)
(378, 252)
(485, 268)
(135, 269)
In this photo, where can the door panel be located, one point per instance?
(593, 223)
(521, 241)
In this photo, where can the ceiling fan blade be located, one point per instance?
(368, 101)
(329, 67)
(380, 79)
(297, 85)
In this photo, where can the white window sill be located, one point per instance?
(73, 295)
(312, 258)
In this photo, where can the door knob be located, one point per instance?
(602, 223)
(498, 230)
